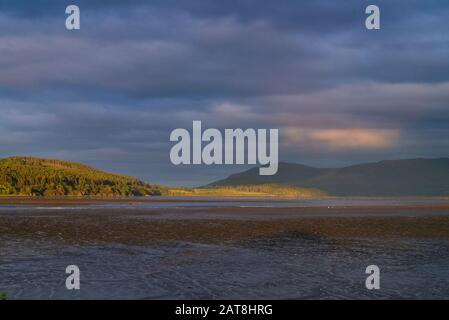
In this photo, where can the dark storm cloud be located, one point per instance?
(227, 49)
(110, 93)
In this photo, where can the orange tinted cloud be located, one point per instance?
(345, 138)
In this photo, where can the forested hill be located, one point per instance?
(408, 177)
(45, 177)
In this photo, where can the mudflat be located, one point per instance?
(223, 224)
(224, 248)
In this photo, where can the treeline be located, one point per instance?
(46, 177)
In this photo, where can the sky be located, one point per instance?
(109, 94)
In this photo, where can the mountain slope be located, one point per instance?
(45, 177)
(414, 177)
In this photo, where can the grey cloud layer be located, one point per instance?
(139, 53)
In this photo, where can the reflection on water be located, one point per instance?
(285, 267)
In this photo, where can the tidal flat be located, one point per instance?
(225, 248)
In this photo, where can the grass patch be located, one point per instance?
(258, 190)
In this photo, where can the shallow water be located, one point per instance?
(242, 202)
(286, 267)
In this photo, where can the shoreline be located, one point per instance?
(93, 200)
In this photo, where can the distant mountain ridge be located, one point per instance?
(47, 177)
(410, 177)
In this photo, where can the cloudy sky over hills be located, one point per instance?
(110, 94)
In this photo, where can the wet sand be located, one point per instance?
(225, 252)
(70, 201)
(224, 224)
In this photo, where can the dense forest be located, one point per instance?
(44, 177)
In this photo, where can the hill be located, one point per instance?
(46, 177)
(412, 177)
